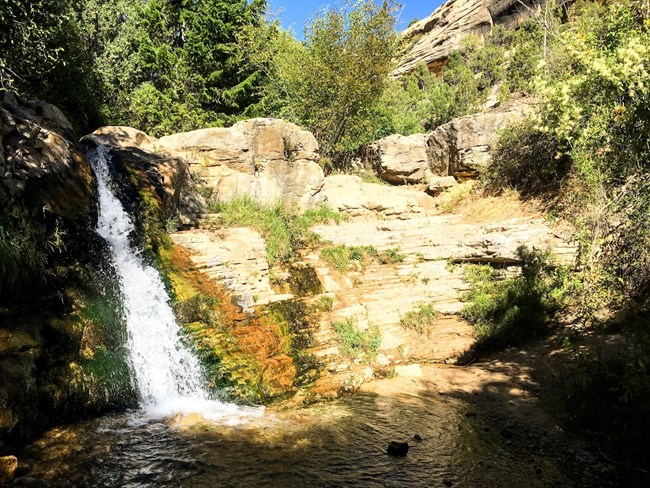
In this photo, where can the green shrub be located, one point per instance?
(323, 304)
(343, 258)
(391, 256)
(507, 311)
(358, 343)
(420, 319)
(283, 229)
(608, 399)
(527, 160)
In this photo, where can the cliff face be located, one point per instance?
(432, 39)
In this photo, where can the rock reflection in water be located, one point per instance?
(337, 444)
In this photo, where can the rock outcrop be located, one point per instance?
(433, 39)
(134, 153)
(462, 147)
(41, 165)
(268, 160)
(399, 159)
(54, 278)
(350, 195)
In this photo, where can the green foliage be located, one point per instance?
(283, 229)
(343, 258)
(27, 245)
(420, 319)
(417, 102)
(391, 256)
(323, 304)
(332, 82)
(527, 160)
(363, 344)
(507, 311)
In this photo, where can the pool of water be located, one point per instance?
(338, 444)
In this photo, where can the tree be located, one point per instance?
(332, 82)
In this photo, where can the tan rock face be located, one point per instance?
(459, 149)
(268, 160)
(348, 194)
(463, 146)
(41, 165)
(400, 159)
(433, 39)
(234, 258)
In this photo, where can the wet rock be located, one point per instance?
(8, 466)
(397, 449)
(27, 482)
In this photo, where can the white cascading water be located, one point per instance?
(168, 376)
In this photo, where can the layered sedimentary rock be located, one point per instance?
(434, 38)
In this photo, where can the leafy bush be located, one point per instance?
(507, 311)
(420, 319)
(608, 399)
(358, 343)
(527, 160)
(391, 256)
(332, 81)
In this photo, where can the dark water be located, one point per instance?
(340, 444)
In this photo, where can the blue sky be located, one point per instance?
(294, 13)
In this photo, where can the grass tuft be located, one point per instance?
(284, 229)
(358, 343)
(420, 319)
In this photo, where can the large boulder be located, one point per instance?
(268, 160)
(434, 38)
(43, 167)
(399, 159)
(462, 147)
(349, 194)
(167, 176)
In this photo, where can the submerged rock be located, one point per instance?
(27, 482)
(398, 449)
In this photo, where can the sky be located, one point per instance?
(294, 13)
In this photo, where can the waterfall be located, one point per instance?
(168, 376)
